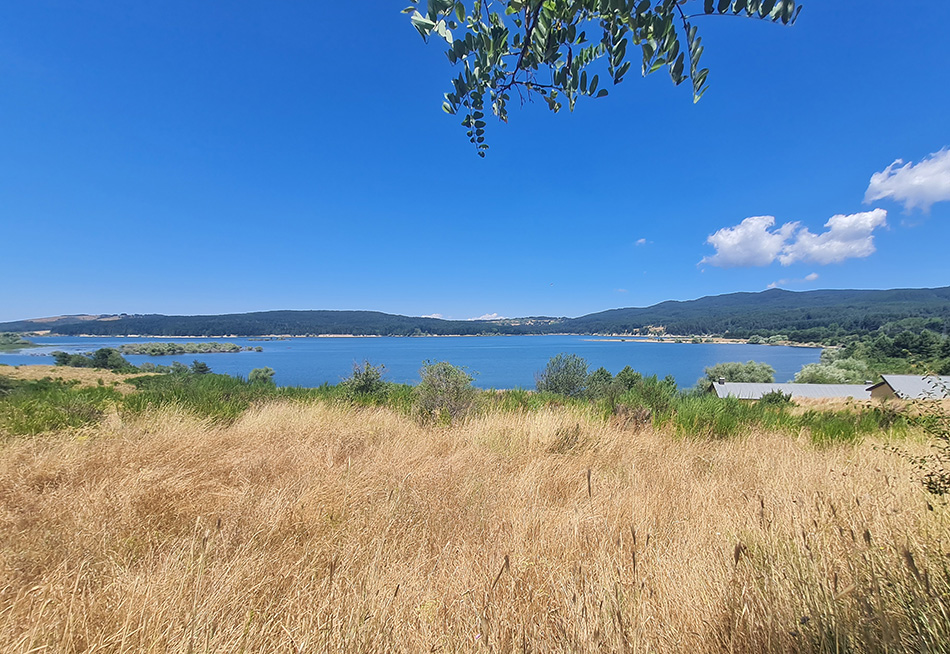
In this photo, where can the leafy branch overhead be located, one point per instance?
(547, 46)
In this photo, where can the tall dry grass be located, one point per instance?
(312, 528)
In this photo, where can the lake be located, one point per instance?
(496, 361)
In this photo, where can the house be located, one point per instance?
(752, 391)
(912, 387)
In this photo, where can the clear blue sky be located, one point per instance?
(210, 157)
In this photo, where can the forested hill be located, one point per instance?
(297, 323)
(806, 315)
(803, 316)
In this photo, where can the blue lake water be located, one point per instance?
(496, 361)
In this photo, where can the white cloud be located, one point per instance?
(488, 316)
(848, 237)
(641, 241)
(754, 242)
(916, 185)
(786, 282)
(750, 243)
(622, 290)
(433, 315)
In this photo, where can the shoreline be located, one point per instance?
(611, 338)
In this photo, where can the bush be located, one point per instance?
(934, 467)
(834, 371)
(627, 379)
(657, 395)
(776, 398)
(366, 382)
(106, 358)
(264, 376)
(565, 374)
(445, 393)
(736, 371)
(600, 384)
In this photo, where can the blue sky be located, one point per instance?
(182, 158)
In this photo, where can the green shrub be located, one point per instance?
(366, 383)
(776, 397)
(261, 376)
(564, 374)
(627, 378)
(445, 394)
(735, 371)
(651, 393)
(106, 358)
(600, 384)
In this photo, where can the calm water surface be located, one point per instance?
(496, 361)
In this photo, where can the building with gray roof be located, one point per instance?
(912, 387)
(752, 391)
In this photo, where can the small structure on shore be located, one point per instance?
(912, 387)
(755, 391)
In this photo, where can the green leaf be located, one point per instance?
(601, 93)
(700, 78)
(676, 71)
(618, 76)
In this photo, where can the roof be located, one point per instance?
(750, 391)
(917, 387)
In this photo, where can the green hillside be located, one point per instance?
(802, 316)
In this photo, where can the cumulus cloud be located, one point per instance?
(848, 237)
(810, 277)
(641, 241)
(754, 242)
(750, 243)
(488, 316)
(433, 315)
(916, 185)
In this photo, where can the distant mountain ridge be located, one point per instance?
(802, 315)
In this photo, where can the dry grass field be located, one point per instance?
(322, 528)
(86, 377)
